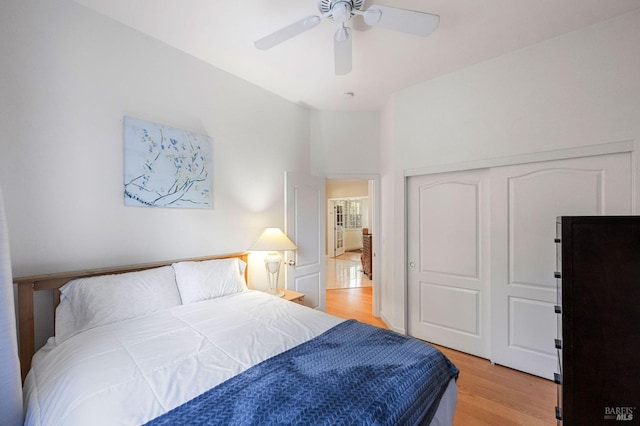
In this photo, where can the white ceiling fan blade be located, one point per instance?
(342, 50)
(287, 32)
(357, 22)
(403, 20)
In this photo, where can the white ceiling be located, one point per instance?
(222, 32)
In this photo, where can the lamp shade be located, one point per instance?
(273, 239)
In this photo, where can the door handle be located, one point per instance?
(291, 262)
(412, 264)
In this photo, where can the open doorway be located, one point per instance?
(348, 241)
(349, 237)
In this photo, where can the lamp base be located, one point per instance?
(272, 263)
(275, 292)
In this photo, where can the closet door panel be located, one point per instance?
(448, 260)
(449, 228)
(435, 307)
(525, 201)
(533, 198)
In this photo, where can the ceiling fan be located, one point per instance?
(341, 12)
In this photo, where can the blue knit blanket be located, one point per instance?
(353, 374)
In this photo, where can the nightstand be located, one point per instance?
(293, 296)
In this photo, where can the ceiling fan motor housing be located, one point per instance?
(326, 6)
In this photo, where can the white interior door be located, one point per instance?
(335, 228)
(448, 255)
(331, 235)
(338, 229)
(526, 199)
(305, 225)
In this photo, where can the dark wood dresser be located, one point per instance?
(599, 320)
(367, 249)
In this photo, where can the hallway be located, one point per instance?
(345, 271)
(349, 290)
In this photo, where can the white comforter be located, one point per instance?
(133, 371)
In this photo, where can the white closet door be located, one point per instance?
(525, 201)
(448, 270)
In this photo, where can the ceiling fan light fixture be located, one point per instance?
(341, 12)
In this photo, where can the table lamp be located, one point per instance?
(273, 241)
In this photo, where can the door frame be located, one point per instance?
(374, 200)
(560, 154)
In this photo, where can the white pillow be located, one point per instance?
(89, 302)
(209, 279)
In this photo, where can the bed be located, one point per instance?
(186, 342)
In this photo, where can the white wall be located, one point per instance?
(344, 142)
(392, 246)
(68, 76)
(576, 90)
(346, 188)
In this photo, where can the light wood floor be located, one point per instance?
(487, 394)
(345, 271)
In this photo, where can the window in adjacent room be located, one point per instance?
(354, 214)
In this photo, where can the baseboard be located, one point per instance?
(388, 323)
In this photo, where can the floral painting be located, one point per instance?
(166, 167)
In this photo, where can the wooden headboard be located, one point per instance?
(28, 285)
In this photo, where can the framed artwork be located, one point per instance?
(166, 167)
